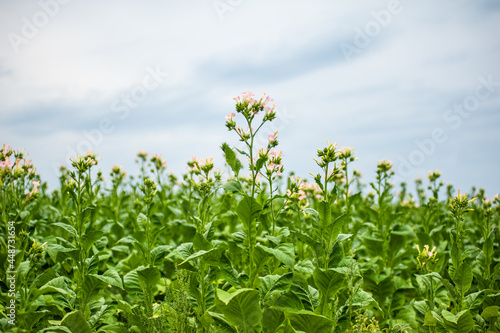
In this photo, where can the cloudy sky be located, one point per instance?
(416, 82)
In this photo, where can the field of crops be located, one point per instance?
(245, 250)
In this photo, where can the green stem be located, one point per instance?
(272, 208)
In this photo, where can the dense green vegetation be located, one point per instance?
(226, 252)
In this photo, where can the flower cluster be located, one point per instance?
(384, 171)
(426, 259)
(327, 155)
(36, 251)
(434, 175)
(296, 192)
(84, 163)
(149, 190)
(460, 205)
(248, 106)
(158, 162)
(274, 164)
(117, 174)
(16, 170)
(204, 170)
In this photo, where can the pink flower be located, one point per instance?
(230, 116)
(271, 138)
(35, 186)
(7, 163)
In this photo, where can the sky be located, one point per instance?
(413, 81)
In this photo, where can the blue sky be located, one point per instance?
(416, 82)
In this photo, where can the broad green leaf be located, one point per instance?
(200, 243)
(233, 186)
(305, 267)
(462, 322)
(148, 278)
(490, 312)
(22, 270)
(228, 272)
(274, 285)
(473, 301)
(110, 277)
(291, 301)
(56, 329)
(272, 319)
(283, 252)
(159, 253)
(66, 227)
(248, 210)
(142, 280)
(241, 309)
(91, 286)
(221, 324)
(231, 159)
(429, 319)
(76, 322)
(328, 281)
(106, 311)
(56, 285)
(463, 278)
(309, 322)
(325, 213)
(211, 257)
(90, 237)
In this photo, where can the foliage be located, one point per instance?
(255, 253)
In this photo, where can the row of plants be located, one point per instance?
(213, 251)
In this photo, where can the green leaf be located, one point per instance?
(274, 285)
(142, 280)
(463, 278)
(76, 322)
(200, 243)
(142, 220)
(56, 329)
(211, 257)
(473, 301)
(221, 324)
(325, 213)
(148, 278)
(328, 281)
(159, 253)
(228, 272)
(283, 252)
(241, 309)
(231, 159)
(90, 237)
(110, 277)
(106, 311)
(233, 186)
(56, 285)
(309, 322)
(66, 227)
(248, 210)
(91, 286)
(490, 312)
(23, 269)
(462, 322)
(429, 319)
